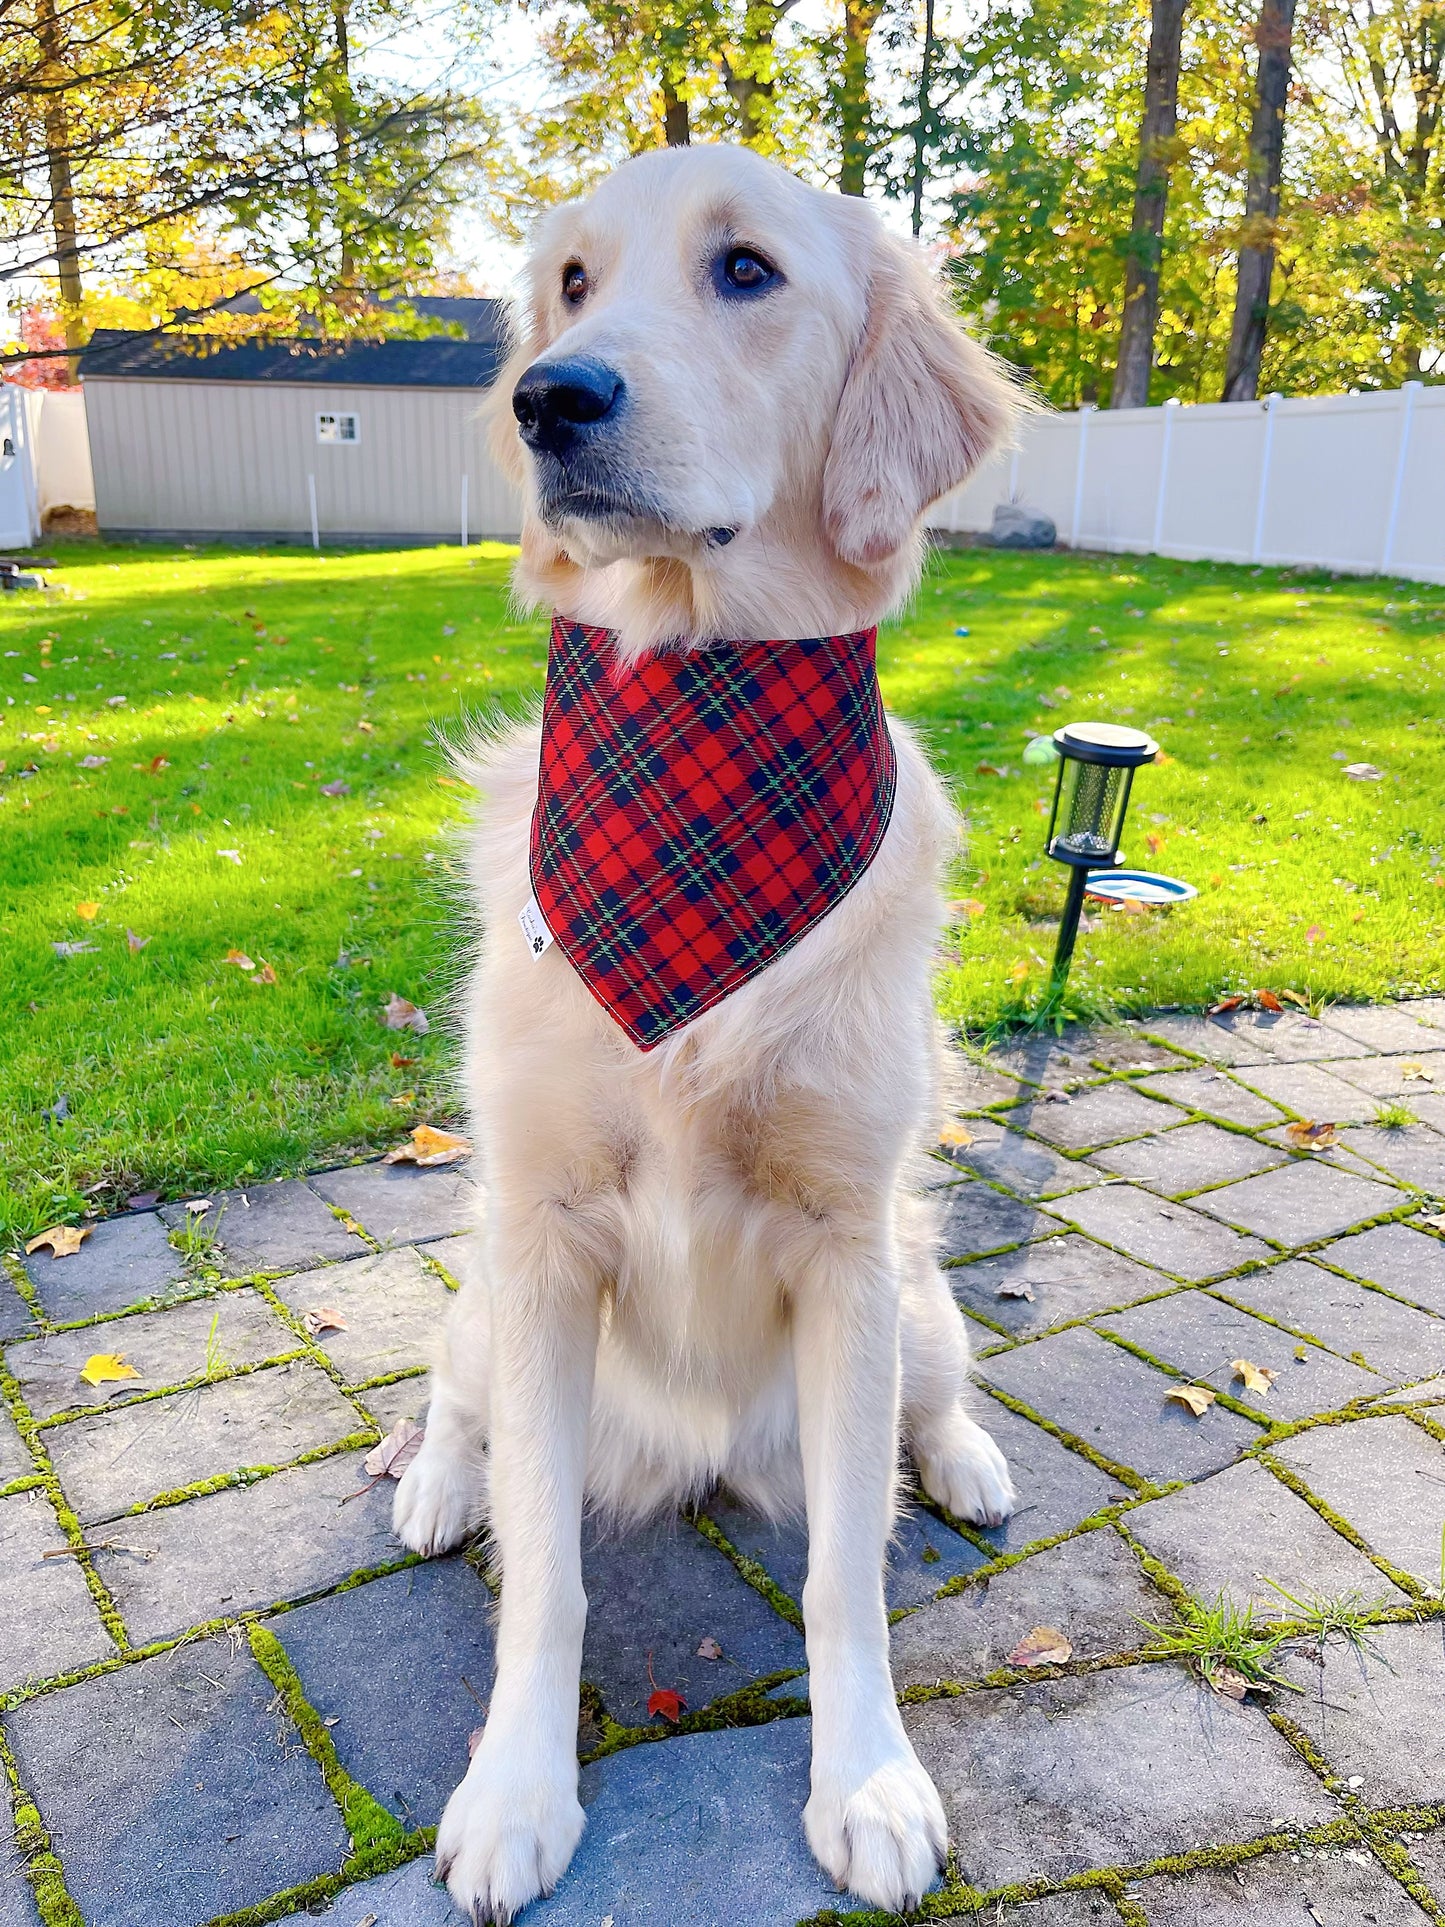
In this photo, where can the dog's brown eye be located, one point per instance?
(574, 282)
(744, 271)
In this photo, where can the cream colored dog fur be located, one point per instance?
(711, 1262)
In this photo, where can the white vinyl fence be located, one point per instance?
(1354, 483)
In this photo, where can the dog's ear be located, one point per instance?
(921, 407)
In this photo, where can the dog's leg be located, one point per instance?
(958, 1463)
(441, 1499)
(874, 1819)
(513, 1824)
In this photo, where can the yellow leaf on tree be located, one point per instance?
(90, 911)
(1257, 1378)
(64, 1240)
(429, 1147)
(1198, 1398)
(105, 1368)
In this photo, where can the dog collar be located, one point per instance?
(699, 812)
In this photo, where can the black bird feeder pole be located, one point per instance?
(1097, 762)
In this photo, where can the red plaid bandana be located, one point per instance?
(699, 813)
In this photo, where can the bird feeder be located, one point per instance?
(1097, 762)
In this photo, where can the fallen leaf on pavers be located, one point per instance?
(90, 911)
(1267, 1000)
(106, 1368)
(1416, 1073)
(663, 1700)
(1363, 773)
(1257, 1378)
(398, 1014)
(396, 1451)
(1225, 1003)
(325, 1318)
(708, 1648)
(1016, 1288)
(1435, 1220)
(142, 1200)
(1232, 1685)
(198, 1205)
(1300, 1003)
(239, 959)
(430, 1147)
(1197, 1397)
(64, 1240)
(1312, 1137)
(1044, 1646)
(956, 1137)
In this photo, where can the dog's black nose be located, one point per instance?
(554, 401)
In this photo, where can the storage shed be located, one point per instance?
(299, 440)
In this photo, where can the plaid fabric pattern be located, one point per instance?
(699, 813)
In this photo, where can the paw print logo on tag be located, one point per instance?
(534, 929)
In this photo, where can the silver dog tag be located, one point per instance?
(539, 937)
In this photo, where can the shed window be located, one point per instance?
(338, 428)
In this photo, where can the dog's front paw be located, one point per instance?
(508, 1832)
(880, 1833)
(966, 1473)
(440, 1501)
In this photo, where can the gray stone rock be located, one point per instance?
(1395, 1076)
(1216, 1094)
(1057, 1488)
(1407, 1262)
(1301, 1204)
(1106, 1769)
(1015, 527)
(1200, 1335)
(1414, 1154)
(977, 1219)
(1188, 1159)
(117, 1460)
(1384, 1476)
(393, 1305)
(403, 1203)
(1327, 1885)
(48, 1620)
(1069, 1278)
(165, 1347)
(15, 1318)
(404, 1666)
(1289, 1036)
(1235, 1532)
(1172, 1236)
(697, 1830)
(177, 1776)
(1374, 1710)
(923, 1553)
(1383, 1027)
(1095, 1117)
(1089, 1588)
(662, 1590)
(271, 1227)
(1009, 1158)
(1201, 1036)
(409, 1897)
(1310, 1091)
(285, 1537)
(1351, 1319)
(1117, 1404)
(122, 1262)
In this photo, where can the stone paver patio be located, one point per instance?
(226, 1695)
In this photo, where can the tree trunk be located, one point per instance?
(860, 17)
(1273, 33)
(62, 187)
(676, 124)
(341, 129)
(925, 116)
(1151, 193)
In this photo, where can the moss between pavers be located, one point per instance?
(1226, 1399)
(251, 1474)
(1396, 1861)
(218, 1375)
(1407, 1582)
(1124, 1474)
(756, 1575)
(1001, 1561)
(35, 1852)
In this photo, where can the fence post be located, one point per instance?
(1268, 405)
(315, 524)
(464, 511)
(1084, 414)
(1407, 414)
(1170, 407)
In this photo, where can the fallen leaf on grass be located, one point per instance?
(133, 942)
(1363, 773)
(396, 1451)
(708, 1648)
(157, 764)
(400, 1063)
(231, 856)
(956, 1136)
(1197, 1397)
(90, 911)
(265, 975)
(1312, 1137)
(106, 1368)
(1016, 1288)
(989, 769)
(969, 907)
(1313, 934)
(1018, 971)
(94, 762)
(338, 788)
(325, 1318)
(64, 1240)
(367, 729)
(1267, 1000)
(1416, 1073)
(398, 1014)
(663, 1700)
(430, 1147)
(1044, 1646)
(239, 959)
(403, 1099)
(1257, 1378)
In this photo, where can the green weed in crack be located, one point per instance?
(1394, 1116)
(1349, 1617)
(197, 1238)
(1218, 1638)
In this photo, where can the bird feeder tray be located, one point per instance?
(1138, 886)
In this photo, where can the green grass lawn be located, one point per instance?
(256, 682)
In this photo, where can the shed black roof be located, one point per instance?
(437, 361)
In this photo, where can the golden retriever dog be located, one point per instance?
(731, 400)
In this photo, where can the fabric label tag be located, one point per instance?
(539, 937)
